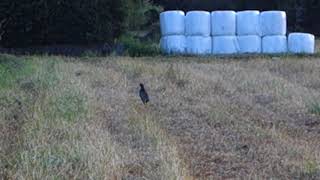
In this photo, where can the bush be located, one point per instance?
(142, 14)
(136, 48)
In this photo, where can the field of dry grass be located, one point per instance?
(209, 118)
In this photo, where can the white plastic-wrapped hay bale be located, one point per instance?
(224, 45)
(248, 23)
(199, 45)
(301, 43)
(172, 23)
(197, 23)
(274, 44)
(273, 23)
(174, 44)
(223, 23)
(249, 44)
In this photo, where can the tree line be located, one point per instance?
(46, 22)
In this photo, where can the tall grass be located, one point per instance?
(50, 127)
(67, 118)
(43, 121)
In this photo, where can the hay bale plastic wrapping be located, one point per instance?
(301, 43)
(248, 23)
(249, 44)
(199, 45)
(223, 23)
(224, 45)
(274, 44)
(172, 23)
(273, 23)
(175, 44)
(197, 23)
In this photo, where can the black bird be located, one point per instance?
(143, 94)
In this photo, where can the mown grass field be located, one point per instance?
(209, 118)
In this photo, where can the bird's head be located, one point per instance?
(141, 85)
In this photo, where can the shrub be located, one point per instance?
(136, 48)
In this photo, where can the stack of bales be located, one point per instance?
(248, 32)
(231, 33)
(198, 33)
(173, 39)
(223, 31)
(273, 26)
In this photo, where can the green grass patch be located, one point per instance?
(67, 105)
(311, 170)
(39, 106)
(13, 69)
(314, 108)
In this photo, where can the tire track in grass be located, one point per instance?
(241, 103)
(133, 126)
(210, 124)
(196, 116)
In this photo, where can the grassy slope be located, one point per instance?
(211, 118)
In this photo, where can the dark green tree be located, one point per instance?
(30, 22)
